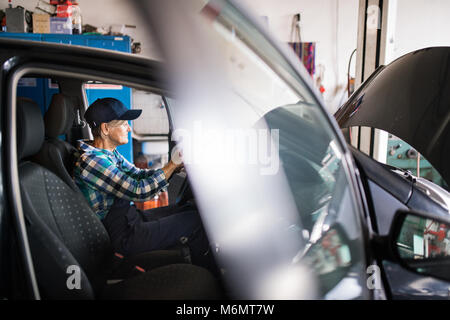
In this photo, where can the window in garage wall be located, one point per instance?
(150, 130)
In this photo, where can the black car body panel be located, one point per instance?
(387, 193)
(89, 61)
(409, 98)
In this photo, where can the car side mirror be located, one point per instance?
(421, 243)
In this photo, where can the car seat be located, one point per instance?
(56, 154)
(65, 234)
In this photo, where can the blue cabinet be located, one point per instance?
(122, 43)
(41, 90)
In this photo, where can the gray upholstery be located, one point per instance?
(57, 155)
(59, 235)
(63, 231)
(59, 117)
(30, 134)
(171, 282)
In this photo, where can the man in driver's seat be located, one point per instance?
(110, 183)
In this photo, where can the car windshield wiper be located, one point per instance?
(403, 172)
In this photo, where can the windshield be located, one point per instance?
(312, 163)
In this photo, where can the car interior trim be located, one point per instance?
(12, 170)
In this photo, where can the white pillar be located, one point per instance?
(376, 24)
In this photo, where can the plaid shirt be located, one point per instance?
(103, 176)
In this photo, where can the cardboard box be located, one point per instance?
(41, 23)
(61, 25)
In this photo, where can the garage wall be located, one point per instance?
(332, 24)
(105, 13)
(421, 24)
(119, 12)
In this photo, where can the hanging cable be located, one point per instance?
(295, 33)
(348, 72)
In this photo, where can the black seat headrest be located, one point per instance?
(30, 128)
(59, 117)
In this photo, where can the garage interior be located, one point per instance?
(339, 43)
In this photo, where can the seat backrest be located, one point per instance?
(66, 238)
(58, 155)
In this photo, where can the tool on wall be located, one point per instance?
(295, 28)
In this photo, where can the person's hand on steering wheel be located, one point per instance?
(175, 164)
(177, 156)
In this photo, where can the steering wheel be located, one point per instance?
(180, 187)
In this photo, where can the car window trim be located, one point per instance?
(12, 174)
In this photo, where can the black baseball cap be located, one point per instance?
(109, 109)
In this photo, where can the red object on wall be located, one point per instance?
(64, 10)
(56, 2)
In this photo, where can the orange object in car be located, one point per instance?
(159, 201)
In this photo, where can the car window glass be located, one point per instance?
(313, 166)
(310, 156)
(154, 119)
(150, 131)
(239, 92)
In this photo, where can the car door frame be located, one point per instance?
(19, 62)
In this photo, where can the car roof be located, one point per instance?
(70, 49)
(85, 60)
